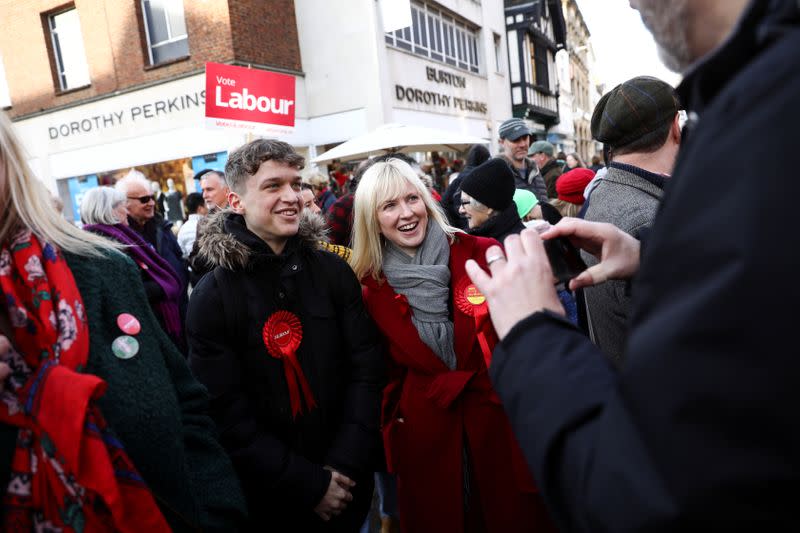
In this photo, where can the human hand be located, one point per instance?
(336, 497)
(617, 251)
(521, 282)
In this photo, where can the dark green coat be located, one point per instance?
(154, 404)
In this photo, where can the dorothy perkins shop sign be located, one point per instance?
(249, 99)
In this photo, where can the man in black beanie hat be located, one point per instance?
(487, 200)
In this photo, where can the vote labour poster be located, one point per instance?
(249, 100)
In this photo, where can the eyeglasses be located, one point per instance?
(142, 199)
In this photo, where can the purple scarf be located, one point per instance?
(154, 266)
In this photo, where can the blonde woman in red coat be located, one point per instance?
(447, 438)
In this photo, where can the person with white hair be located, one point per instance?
(104, 212)
(152, 227)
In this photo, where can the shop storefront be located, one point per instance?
(159, 130)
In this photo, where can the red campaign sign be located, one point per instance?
(249, 95)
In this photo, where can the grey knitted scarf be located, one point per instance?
(425, 281)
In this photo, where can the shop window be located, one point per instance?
(69, 56)
(165, 28)
(440, 37)
(5, 97)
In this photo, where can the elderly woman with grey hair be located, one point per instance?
(104, 212)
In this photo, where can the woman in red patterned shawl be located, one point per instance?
(102, 426)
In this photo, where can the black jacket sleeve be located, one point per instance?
(214, 361)
(575, 429)
(356, 449)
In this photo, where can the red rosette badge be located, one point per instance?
(282, 335)
(470, 301)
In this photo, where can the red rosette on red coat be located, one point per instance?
(282, 335)
(470, 301)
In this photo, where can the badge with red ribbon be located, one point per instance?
(282, 335)
(470, 301)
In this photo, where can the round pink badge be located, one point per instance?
(129, 324)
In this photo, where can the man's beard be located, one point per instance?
(668, 21)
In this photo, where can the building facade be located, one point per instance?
(96, 88)
(536, 31)
(575, 64)
(581, 59)
(447, 70)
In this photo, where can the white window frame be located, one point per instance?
(171, 39)
(439, 37)
(62, 70)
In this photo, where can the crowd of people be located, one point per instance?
(306, 339)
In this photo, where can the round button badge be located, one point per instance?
(129, 324)
(473, 295)
(125, 347)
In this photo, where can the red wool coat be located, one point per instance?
(428, 411)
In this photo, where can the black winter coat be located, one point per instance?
(699, 431)
(279, 458)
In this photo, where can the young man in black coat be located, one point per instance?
(279, 335)
(699, 430)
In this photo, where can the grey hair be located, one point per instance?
(134, 176)
(97, 205)
(477, 205)
(219, 174)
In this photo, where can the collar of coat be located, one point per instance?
(236, 250)
(501, 224)
(763, 23)
(394, 316)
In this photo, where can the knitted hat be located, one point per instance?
(525, 201)
(570, 185)
(513, 128)
(491, 183)
(632, 110)
(542, 146)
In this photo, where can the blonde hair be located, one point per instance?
(383, 181)
(567, 209)
(28, 203)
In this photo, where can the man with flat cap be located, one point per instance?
(544, 155)
(515, 138)
(638, 123)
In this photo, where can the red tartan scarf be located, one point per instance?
(68, 473)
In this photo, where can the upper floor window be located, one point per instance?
(438, 36)
(498, 54)
(5, 97)
(68, 53)
(165, 27)
(540, 63)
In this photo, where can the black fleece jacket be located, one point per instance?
(280, 459)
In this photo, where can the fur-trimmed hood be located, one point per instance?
(221, 248)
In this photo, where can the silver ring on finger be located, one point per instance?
(494, 258)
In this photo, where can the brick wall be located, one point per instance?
(115, 45)
(265, 33)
